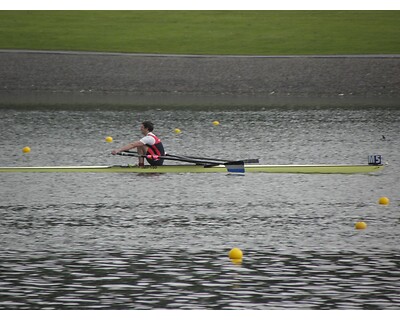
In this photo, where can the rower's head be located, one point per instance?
(147, 126)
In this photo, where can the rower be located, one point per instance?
(149, 147)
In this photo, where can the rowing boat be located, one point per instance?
(193, 168)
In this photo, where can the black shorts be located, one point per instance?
(153, 162)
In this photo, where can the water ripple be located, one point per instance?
(105, 241)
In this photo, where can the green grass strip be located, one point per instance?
(204, 32)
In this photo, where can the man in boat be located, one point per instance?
(149, 147)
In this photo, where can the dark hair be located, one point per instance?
(148, 125)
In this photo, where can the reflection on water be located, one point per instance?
(128, 241)
(146, 278)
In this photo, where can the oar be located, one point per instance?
(167, 157)
(214, 159)
(231, 166)
(196, 159)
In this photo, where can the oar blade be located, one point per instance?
(235, 167)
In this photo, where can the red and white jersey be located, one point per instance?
(155, 145)
(150, 139)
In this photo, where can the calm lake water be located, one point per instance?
(131, 241)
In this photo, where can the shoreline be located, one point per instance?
(47, 78)
(68, 100)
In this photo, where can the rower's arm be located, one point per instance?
(129, 147)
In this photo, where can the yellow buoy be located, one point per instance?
(215, 123)
(177, 130)
(383, 200)
(236, 254)
(109, 139)
(26, 150)
(360, 225)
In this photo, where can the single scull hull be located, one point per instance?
(311, 169)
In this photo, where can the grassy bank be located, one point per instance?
(204, 32)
